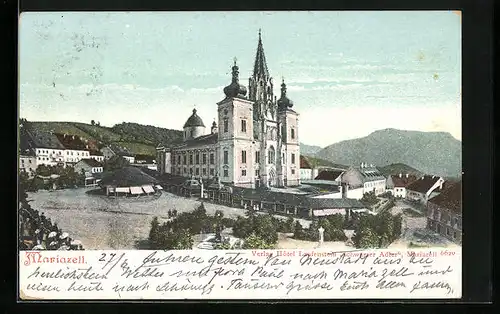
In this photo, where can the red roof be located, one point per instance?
(403, 181)
(450, 198)
(71, 142)
(423, 184)
(330, 175)
(304, 163)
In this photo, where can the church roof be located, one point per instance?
(194, 120)
(260, 66)
(235, 89)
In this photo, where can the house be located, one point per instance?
(27, 164)
(444, 213)
(96, 155)
(92, 169)
(307, 170)
(74, 148)
(330, 175)
(397, 184)
(144, 159)
(422, 189)
(44, 146)
(112, 150)
(363, 179)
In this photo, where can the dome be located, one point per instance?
(235, 89)
(194, 120)
(284, 102)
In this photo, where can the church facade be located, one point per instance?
(255, 142)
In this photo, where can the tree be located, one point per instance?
(254, 241)
(154, 232)
(369, 199)
(366, 239)
(298, 231)
(116, 162)
(289, 225)
(92, 122)
(397, 226)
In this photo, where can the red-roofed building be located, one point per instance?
(307, 170)
(444, 213)
(421, 190)
(398, 183)
(74, 148)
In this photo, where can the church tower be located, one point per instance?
(264, 116)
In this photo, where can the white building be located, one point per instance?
(110, 151)
(96, 155)
(27, 164)
(363, 179)
(256, 141)
(424, 188)
(397, 184)
(307, 170)
(74, 148)
(92, 169)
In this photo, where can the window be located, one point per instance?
(257, 157)
(190, 159)
(293, 171)
(283, 133)
(243, 156)
(243, 173)
(293, 159)
(211, 172)
(197, 159)
(204, 158)
(22, 161)
(185, 170)
(271, 156)
(191, 133)
(204, 171)
(191, 171)
(197, 171)
(257, 172)
(244, 126)
(226, 125)
(226, 157)
(212, 158)
(179, 159)
(292, 133)
(226, 173)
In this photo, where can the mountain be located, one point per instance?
(309, 150)
(137, 138)
(317, 162)
(436, 153)
(395, 169)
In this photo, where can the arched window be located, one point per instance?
(271, 155)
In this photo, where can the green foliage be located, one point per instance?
(369, 199)
(298, 231)
(254, 241)
(114, 163)
(377, 231)
(263, 227)
(332, 225)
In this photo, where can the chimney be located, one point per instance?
(371, 165)
(343, 189)
(400, 174)
(73, 137)
(64, 135)
(406, 175)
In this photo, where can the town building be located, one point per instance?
(330, 175)
(444, 213)
(74, 148)
(307, 170)
(396, 184)
(363, 179)
(46, 148)
(115, 150)
(255, 142)
(27, 164)
(422, 189)
(96, 155)
(92, 169)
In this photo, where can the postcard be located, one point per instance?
(240, 155)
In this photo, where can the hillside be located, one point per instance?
(137, 138)
(318, 162)
(436, 153)
(309, 150)
(395, 169)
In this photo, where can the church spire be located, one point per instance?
(260, 66)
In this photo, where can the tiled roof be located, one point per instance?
(96, 153)
(423, 184)
(329, 175)
(41, 139)
(73, 142)
(199, 141)
(92, 162)
(403, 181)
(450, 198)
(322, 203)
(304, 163)
(128, 176)
(147, 158)
(370, 174)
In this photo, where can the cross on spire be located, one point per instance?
(235, 60)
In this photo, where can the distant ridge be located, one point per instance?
(436, 153)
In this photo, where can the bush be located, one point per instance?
(382, 229)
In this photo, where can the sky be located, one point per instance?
(349, 73)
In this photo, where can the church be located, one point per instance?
(255, 142)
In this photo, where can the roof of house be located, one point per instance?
(304, 163)
(91, 162)
(119, 150)
(322, 203)
(73, 142)
(41, 139)
(329, 175)
(403, 181)
(370, 174)
(144, 157)
(450, 198)
(423, 184)
(96, 153)
(199, 141)
(128, 176)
